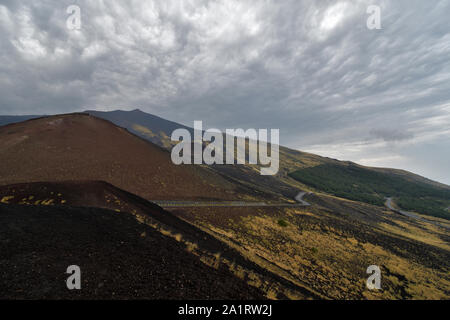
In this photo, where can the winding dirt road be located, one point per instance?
(389, 205)
(300, 196)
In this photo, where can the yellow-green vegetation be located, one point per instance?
(165, 140)
(47, 202)
(161, 137)
(30, 200)
(217, 260)
(330, 260)
(143, 131)
(329, 254)
(426, 233)
(6, 199)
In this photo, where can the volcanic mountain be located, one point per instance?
(305, 171)
(298, 171)
(83, 147)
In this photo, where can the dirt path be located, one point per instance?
(190, 204)
(389, 205)
(300, 196)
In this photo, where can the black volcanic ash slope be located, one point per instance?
(119, 258)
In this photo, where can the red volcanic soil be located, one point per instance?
(119, 258)
(83, 147)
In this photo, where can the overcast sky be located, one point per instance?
(310, 68)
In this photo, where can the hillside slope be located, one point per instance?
(4, 120)
(144, 125)
(83, 147)
(412, 191)
(199, 242)
(119, 258)
(359, 183)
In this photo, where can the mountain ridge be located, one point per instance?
(114, 115)
(285, 185)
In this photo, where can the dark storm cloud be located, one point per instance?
(311, 68)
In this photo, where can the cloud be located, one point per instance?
(389, 135)
(310, 68)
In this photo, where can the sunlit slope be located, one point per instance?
(147, 126)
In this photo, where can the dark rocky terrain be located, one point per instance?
(119, 258)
